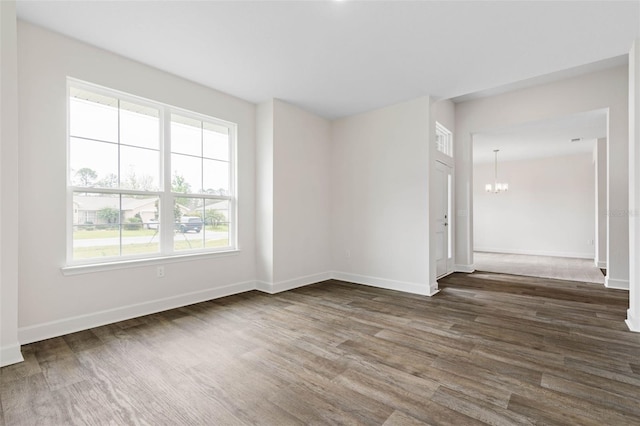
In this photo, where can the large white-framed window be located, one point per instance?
(146, 179)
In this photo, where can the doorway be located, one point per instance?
(444, 235)
(545, 224)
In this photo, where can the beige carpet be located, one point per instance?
(562, 268)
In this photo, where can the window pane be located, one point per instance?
(215, 142)
(139, 168)
(186, 135)
(216, 231)
(94, 163)
(140, 225)
(187, 173)
(96, 225)
(443, 140)
(188, 213)
(139, 126)
(216, 177)
(93, 116)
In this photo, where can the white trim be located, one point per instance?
(576, 255)
(466, 269)
(407, 287)
(38, 332)
(10, 355)
(617, 284)
(136, 263)
(273, 288)
(632, 322)
(446, 147)
(165, 194)
(433, 289)
(264, 287)
(602, 264)
(61, 327)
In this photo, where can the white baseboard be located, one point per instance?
(617, 284)
(57, 328)
(602, 264)
(433, 289)
(576, 255)
(632, 322)
(38, 332)
(10, 355)
(273, 288)
(466, 269)
(264, 286)
(415, 288)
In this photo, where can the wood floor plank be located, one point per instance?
(398, 418)
(488, 349)
(613, 373)
(615, 400)
(29, 401)
(311, 409)
(387, 353)
(397, 397)
(28, 367)
(364, 407)
(478, 409)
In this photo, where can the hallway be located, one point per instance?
(562, 268)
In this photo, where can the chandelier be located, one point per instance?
(496, 187)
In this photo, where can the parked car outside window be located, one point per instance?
(187, 224)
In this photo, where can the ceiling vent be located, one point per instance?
(576, 140)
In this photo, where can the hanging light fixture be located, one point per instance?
(496, 187)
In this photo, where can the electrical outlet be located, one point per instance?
(160, 272)
(348, 254)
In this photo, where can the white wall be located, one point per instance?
(603, 89)
(9, 347)
(293, 198)
(50, 303)
(264, 192)
(380, 189)
(301, 196)
(633, 314)
(600, 163)
(547, 211)
(444, 112)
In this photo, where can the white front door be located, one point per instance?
(444, 252)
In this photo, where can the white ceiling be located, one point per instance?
(548, 138)
(340, 58)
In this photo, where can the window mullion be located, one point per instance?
(233, 213)
(121, 225)
(70, 203)
(167, 200)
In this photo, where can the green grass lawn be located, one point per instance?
(111, 233)
(150, 248)
(114, 233)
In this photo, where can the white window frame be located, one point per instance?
(444, 140)
(165, 195)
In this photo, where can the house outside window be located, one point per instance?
(146, 179)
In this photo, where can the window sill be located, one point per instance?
(137, 263)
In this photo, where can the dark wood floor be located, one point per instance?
(489, 348)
